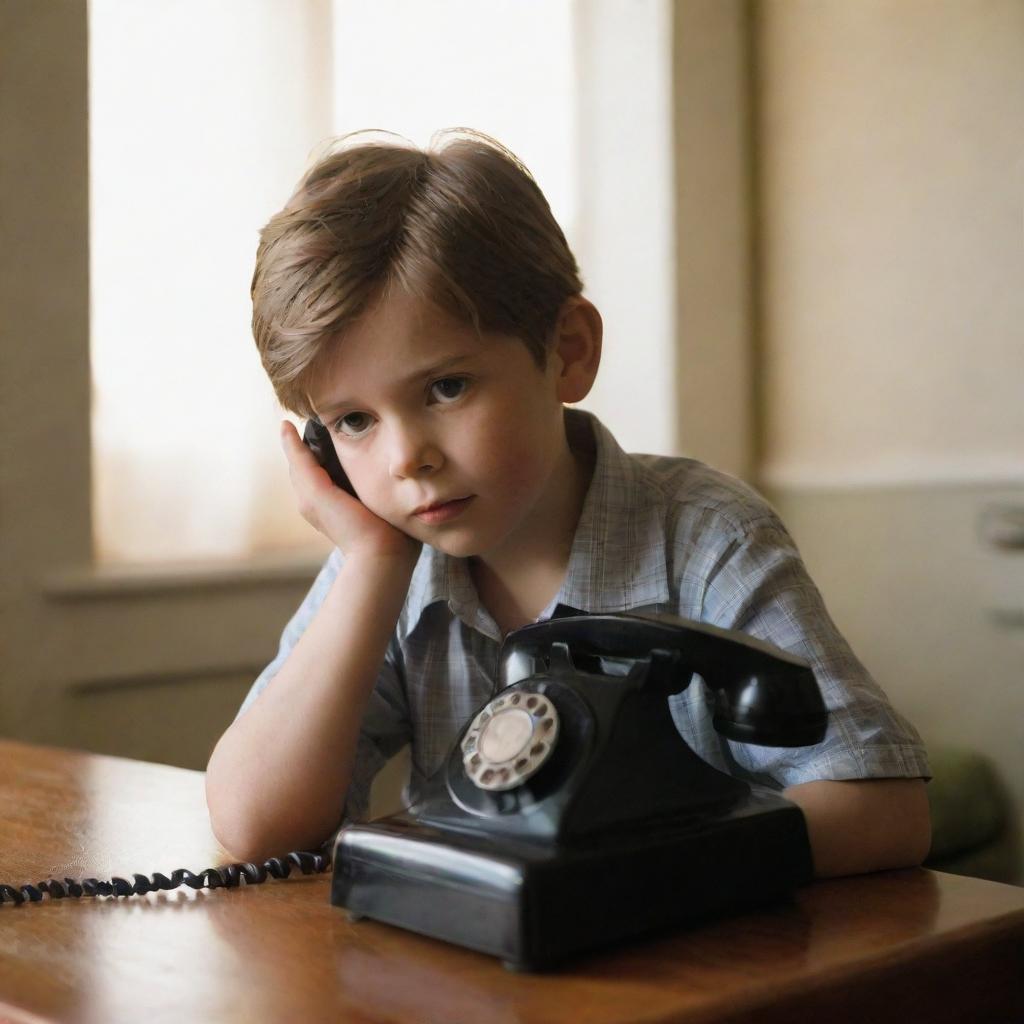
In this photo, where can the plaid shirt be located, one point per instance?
(655, 533)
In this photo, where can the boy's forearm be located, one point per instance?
(864, 825)
(277, 779)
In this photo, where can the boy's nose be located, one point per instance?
(413, 456)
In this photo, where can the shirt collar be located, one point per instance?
(617, 561)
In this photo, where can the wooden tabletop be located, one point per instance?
(908, 945)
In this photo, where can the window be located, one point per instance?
(202, 118)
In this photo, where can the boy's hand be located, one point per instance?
(341, 518)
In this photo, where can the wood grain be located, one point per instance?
(907, 945)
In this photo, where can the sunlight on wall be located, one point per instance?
(201, 118)
(504, 67)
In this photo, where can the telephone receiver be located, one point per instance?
(762, 694)
(571, 812)
(317, 438)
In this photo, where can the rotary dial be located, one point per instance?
(509, 740)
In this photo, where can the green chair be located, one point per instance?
(973, 832)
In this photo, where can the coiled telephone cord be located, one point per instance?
(226, 876)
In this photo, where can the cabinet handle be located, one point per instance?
(1002, 526)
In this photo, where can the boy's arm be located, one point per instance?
(879, 818)
(278, 777)
(864, 824)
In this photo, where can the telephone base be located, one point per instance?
(532, 905)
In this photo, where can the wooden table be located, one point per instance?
(908, 945)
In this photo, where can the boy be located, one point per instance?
(426, 308)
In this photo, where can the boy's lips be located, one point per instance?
(439, 512)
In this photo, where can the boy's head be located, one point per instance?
(462, 225)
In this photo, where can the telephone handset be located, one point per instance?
(318, 439)
(571, 812)
(762, 694)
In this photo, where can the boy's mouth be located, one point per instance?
(441, 512)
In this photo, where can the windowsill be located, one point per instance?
(83, 583)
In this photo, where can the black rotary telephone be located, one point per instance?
(571, 813)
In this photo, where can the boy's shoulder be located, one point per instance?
(692, 493)
(656, 528)
(657, 503)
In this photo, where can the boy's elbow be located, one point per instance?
(865, 825)
(237, 832)
(906, 817)
(896, 814)
(250, 837)
(244, 843)
(919, 828)
(229, 830)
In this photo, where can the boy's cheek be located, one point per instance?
(519, 470)
(384, 509)
(370, 499)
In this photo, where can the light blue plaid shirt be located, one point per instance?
(656, 533)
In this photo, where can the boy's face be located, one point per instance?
(424, 412)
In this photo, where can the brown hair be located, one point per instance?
(462, 224)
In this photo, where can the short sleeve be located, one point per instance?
(295, 627)
(759, 585)
(385, 727)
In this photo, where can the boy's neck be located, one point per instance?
(516, 586)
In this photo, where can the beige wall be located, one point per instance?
(891, 172)
(715, 395)
(624, 234)
(891, 184)
(44, 298)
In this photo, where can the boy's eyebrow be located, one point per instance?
(411, 378)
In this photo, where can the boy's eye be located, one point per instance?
(447, 389)
(353, 424)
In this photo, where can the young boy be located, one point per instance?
(426, 308)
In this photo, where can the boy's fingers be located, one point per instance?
(301, 459)
(292, 443)
(294, 450)
(288, 434)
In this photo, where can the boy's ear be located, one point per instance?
(577, 343)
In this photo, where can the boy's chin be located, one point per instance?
(456, 543)
(453, 547)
